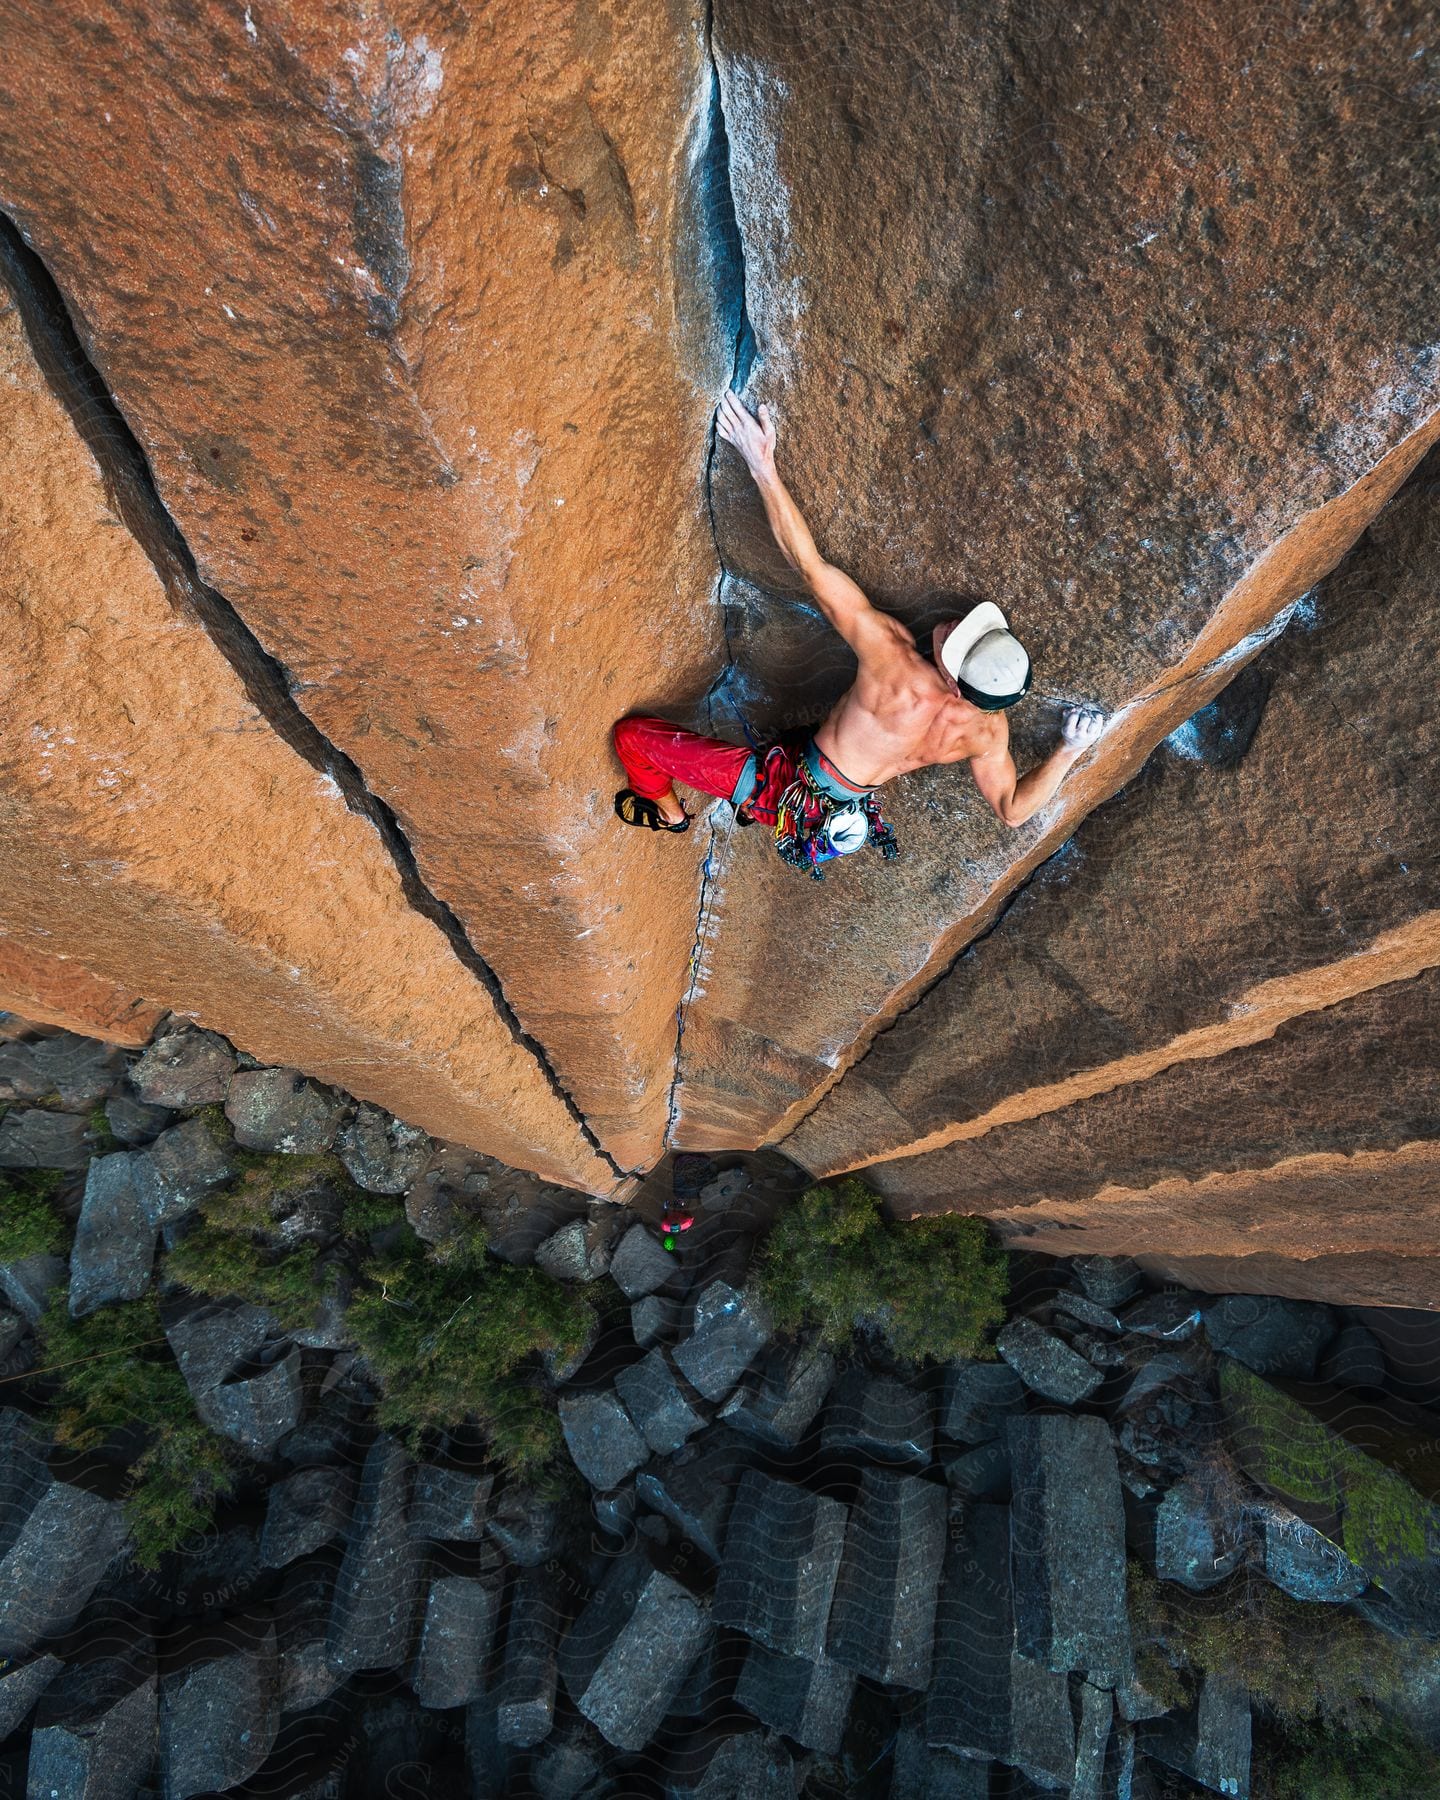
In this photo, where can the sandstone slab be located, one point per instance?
(1129, 366)
(175, 843)
(442, 328)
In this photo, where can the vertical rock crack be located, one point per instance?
(726, 253)
(130, 484)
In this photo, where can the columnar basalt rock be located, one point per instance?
(1139, 368)
(163, 832)
(419, 315)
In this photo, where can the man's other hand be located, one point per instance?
(1080, 726)
(753, 438)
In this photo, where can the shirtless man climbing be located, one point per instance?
(904, 711)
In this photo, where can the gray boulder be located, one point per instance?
(875, 1415)
(449, 1505)
(603, 1442)
(75, 1071)
(723, 1764)
(1067, 1546)
(219, 1716)
(1354, 1360)
(372, 1624)
(730, 1330)
(695, 1496)
(569, 1764)
(180, 1168)
(783, 1547)
(1170, 1318)
(1108, 1280)
(302, 1615)
(1046, 1363)
(641, 1264)
(626, 1656)
(1272, 1336)
(578, 1251)
(654, 1319)
(133, 1123)
(808, 1701)
(526, 1697)
(211, 1339)
(57, 1542)
(919, 1772)
(1203, 1528)
(258, 1408)
(1302, 1561)
(980, 1474)
(304, 1512)
(32, 1137)
(1092, 1741)
(457, 1633)
(882, 1619)
(1084, 1311)
(780, 1395)
(654, 1400)
(986, 1700)
(524, 1524)
(1211, 1743)
(278, 1111)
(29, 1282)
(21, 1686)
(184, 1066)
(94, 1735)
(114, 1249)
(382, 1154)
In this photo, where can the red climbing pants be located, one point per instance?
(655, 753)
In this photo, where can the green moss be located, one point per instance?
(114, 1372)
(453, 1336)
(1384, 1522)
(1305, 1664)
(365, 1213)
(29, 1222)
(102, 1137)
(222, 1263)
(1389, 1763)
(930, 1288)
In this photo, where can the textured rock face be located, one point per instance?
(155, 825)
(1126, 365)
(424, 370)
(1321, 1133)
(1280, 854)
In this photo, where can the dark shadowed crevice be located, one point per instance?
(724, 252)
(268, 685)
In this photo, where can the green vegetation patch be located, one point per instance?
(1306, 1664)
(930, 1288)
(1389, 1763)
(30, 1225)
(1384, 1522)
(453, 1335)
(114, 1370)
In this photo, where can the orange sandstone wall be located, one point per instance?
(410, 307)
(158, 828)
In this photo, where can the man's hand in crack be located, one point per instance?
(753, 438)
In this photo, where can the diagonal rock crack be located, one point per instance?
(268, 686)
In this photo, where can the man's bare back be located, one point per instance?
(904, 711)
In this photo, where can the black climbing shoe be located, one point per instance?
(635, 809)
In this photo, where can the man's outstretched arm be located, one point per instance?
(841, 600)
(1013, 797)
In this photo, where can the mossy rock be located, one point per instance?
(1369, 1511)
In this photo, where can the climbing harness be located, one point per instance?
(813, 826)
